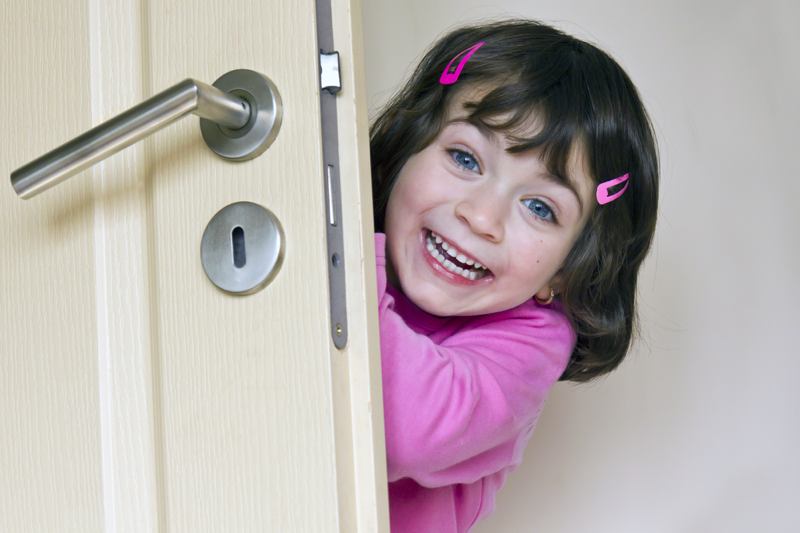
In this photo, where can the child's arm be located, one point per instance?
(455, 412)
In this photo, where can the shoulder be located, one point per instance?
(538, 338)
(546, 322)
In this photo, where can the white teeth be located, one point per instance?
(454, 252)
(451, 251)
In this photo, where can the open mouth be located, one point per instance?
(454, 260)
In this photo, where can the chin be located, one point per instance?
(421, 298)
(432, 307)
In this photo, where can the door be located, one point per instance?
(136, 395)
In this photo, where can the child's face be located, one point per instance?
(495, 208)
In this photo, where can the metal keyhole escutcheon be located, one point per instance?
(242, 248)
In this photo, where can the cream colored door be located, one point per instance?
(135, 395)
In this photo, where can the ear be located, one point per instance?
(544, 293)
(555, 283)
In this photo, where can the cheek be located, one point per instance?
(536, 266)
(412, 196)
(421, 178)
(403, 215)
(399, 207)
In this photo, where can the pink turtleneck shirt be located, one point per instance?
(461, 398)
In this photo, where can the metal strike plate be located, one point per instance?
(329, 77)
(242, 248)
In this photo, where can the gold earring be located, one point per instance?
(548, 301)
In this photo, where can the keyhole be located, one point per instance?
(239, 255)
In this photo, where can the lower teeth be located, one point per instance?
(449, 265)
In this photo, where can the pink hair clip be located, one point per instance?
(602, 190)
(451, 73)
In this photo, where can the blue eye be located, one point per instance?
(465, 160)
(540, 209)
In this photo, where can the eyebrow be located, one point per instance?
(485, 130)
(566, 183)
(491, 136)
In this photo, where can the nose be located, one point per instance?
(484, 212)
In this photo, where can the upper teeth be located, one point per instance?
(452, 251)
(477, 270)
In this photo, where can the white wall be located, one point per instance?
(698, 431)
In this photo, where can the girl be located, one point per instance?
(515, 182)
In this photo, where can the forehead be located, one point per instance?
(577, 177)
(504, 128)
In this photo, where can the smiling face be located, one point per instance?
(464, 199)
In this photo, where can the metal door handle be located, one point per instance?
(240, 115)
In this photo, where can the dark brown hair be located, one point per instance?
(578, 94)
